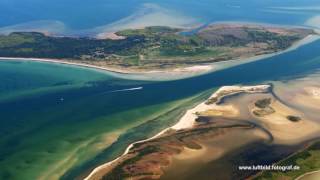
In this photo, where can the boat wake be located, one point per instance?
(123, 90)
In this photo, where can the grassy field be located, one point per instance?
(308, 160)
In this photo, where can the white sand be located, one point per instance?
(315, 92)
(109, 35)
(158, 75)
(188, 120)
(197, 68)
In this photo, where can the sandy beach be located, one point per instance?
(156, 75)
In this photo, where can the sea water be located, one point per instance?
(66, 121)
(72, 17)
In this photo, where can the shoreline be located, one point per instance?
(171, 74)
(156, 75)
(301, 177)
(185, 121)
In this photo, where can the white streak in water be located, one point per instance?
(123, 90)
(298, 8)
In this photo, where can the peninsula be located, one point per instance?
(197, 142)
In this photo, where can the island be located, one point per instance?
(156, 48)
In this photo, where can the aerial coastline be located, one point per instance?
(186, 121)
(271, 115)
(171, 73)
(167, 90)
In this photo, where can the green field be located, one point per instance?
(308, 160)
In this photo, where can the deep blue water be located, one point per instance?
(87, 14)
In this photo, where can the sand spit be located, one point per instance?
(286, 125)
(187, 121)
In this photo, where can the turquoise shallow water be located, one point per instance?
(43, 76)
(43, 106)
(70, 119)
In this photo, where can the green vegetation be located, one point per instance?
(119, 171)
(281, 42)
(263, 103)
(15, 39)
(293, 118)
(151, 46)
(212, 100)
(42, 46)
(264, 107)
(216, 99)
(308, 160)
